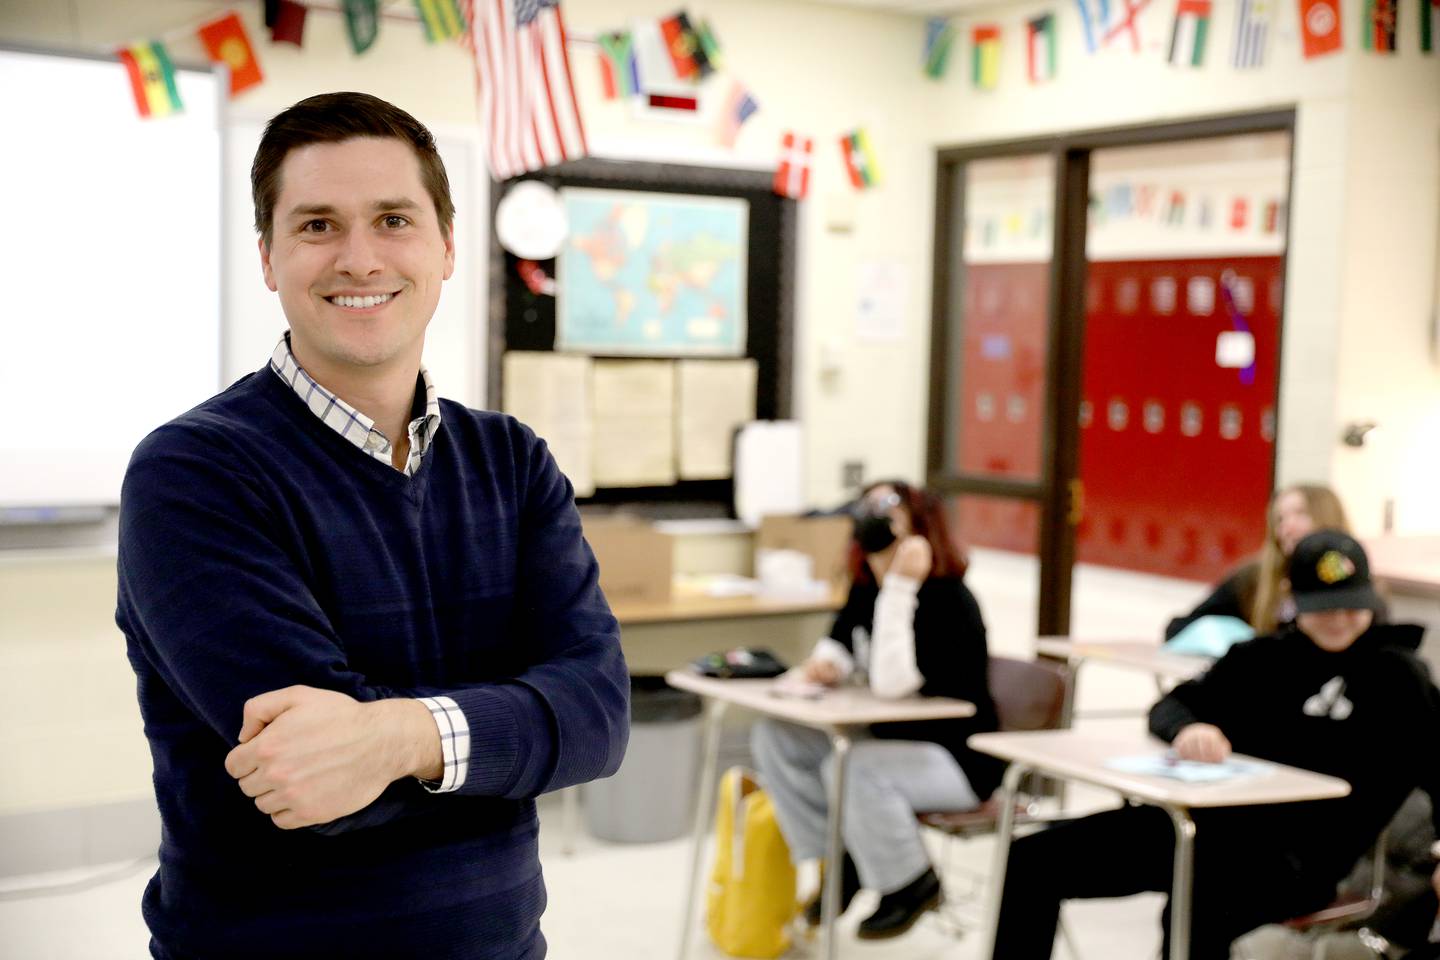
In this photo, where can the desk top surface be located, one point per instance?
(840, 707)
(686, 605)
(1411, 563)
(1139, 654)
(1081, 756)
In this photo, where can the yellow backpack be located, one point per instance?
(751, 899)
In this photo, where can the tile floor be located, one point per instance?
(624, 902)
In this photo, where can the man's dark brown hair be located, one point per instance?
(335, 118)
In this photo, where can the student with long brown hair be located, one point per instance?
(1256, 591)
(908, 626)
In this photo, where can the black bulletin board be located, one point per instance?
(522, 320)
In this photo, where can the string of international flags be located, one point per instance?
(531, 116)
(1109, 23)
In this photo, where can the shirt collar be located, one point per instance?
(350, 423)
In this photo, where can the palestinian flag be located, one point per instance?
(985, 57)
(860, 160)
(1188, 32)
(442, 19)
(152, 79)
(1040, 48)
(1429, 25)
(1378, 27)
(228, 43)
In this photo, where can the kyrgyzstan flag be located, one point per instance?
(227, 43)
(792, 175)
(1320, 25)
(860, 159)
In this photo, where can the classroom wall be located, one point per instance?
(1358, 287)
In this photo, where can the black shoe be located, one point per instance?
(898, 911)
(849, 886)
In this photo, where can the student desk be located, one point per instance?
(839, 713)
(1074, 755)
(656, 636)
(1143, 655)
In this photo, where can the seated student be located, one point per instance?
(1338, 693)
(1255, 592)
(908, 626)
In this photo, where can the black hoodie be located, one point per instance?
(1369, 715)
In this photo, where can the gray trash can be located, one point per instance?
(652, 796)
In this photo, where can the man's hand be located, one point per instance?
(1203, 742)
(913, 558)
(311, 756)
(816, 670)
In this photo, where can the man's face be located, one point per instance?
(357, 254)
(1334, 630)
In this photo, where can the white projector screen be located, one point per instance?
(112, 260)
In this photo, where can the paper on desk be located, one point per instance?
(792, 685)
(550, 393)
(634, 422)
(1187, 771)
(715, 397)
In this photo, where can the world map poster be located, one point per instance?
(652, 274)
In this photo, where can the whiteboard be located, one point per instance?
(111, 252)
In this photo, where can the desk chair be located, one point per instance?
(1029, 695)
(1348, 908)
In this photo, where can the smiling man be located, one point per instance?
(366, 629)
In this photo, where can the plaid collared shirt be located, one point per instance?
(361, 430)
(351, 423)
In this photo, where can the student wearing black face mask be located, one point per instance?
(909, 626)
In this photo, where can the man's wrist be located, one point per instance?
(416, 741)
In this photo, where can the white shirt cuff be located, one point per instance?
(454, 732)
(899, 583)
(832, 651)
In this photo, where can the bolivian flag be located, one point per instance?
(152, 79)
(442, 18)
(985, 57)
(860, 159)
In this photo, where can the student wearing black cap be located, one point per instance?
(1339, 693)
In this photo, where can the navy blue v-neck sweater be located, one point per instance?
(259, 549)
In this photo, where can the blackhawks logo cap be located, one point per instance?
(1329, 571)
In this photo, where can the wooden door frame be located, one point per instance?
(1065, 329)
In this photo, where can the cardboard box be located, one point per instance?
(636, 562)
(825, 540)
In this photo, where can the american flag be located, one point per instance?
(528, 108)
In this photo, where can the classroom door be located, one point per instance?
(993, 343)
(1185, 264)
(1105, 354)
